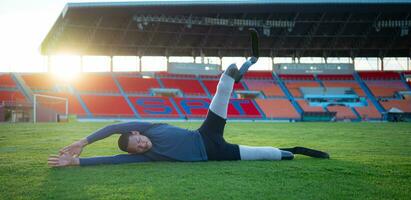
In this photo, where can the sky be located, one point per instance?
(24, 24)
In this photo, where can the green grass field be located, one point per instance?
(369, 161)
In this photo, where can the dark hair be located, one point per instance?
(123, 141)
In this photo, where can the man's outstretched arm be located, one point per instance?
(66, 160)
(76, 148)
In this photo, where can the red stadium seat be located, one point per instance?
(171, 75)
(12, 96)
(6, 81)
(211, 86)
(343, 77)
(278, 108)
(269, 87)
(187, 86)
(41, 81)
(266, 75)
(154, 107)
(137, 85)
(379, 75)
(342, 112)
(368, 112)
(96, 83)
(107, 106)
(74, 106)
(297, 77)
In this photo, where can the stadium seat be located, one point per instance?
(187, 86)
(351, 84)
(107, 106)
(385, 88)
(307, 108)
(404, 105)
(297, 77)
(39, 81)
(294, 86)
(12, 96)
(269, 87)
(96, 83)
(379, 75)
(211, 86)
(177, 76)
(6, 81)
(74, 105)
(265, 75)
(343, 112)
(137, 85)
(335, 77)
(278, 108)
(368, 112)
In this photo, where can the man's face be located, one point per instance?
(138, 143)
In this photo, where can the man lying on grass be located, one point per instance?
(147, 142)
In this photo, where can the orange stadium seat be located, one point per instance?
(187, 86)
(137, 85)
(404, 105)
(96, 83)
(12, 96)
(294, 87)
(385, 88)
(107, 106)
(6, 81)
(369, 111)
(39, 81)
(74, 106)
(301, 77)
(278, 108)
(351, 84)
(342, 112)
(307, 108)
(211, 86)
(269, 87)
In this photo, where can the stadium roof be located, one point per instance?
(344, 28)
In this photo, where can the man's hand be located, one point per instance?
(74, 149)
(63, 160)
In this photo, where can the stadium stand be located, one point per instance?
(385, 88)
(154, 107)
(187, 86)
(294, 86)
(351, 84)
(368, 112)
(269, 87)
(265, 75)
(343, 112)
(211, 86)
(137, 84)
(107, 106)
(96, 83)
(193, 107)
(74, 106)
(6, 81)
(404, 105)
(278, 108)
(12, 96)
(379, 75)
(38, 81)
(307, 108)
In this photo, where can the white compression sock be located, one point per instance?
(219, 103)
(259, 153)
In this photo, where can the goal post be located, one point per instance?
(48, 108)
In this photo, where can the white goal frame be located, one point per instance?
(45, 96)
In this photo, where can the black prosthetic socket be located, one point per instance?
(287, 155)
(307, 152)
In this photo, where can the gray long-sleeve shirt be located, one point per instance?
(169, 143)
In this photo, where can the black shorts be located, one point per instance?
(217, 148)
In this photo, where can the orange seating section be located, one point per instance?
(12, 96)
(307, 108)
(404, 105)
(6, 81)
(278, 108)
(211, 86)
(187, 86)
(294, 87)
(307, 77)
(368, 112)
(137, 85)
(268, 87)
(96, 83)
(385, 88)
(258, 75)
(107, 106)
(342, 112)
(38, 81)
(354, 85)
(74, 106)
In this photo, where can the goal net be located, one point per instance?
(49, 108)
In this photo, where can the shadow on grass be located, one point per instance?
(304, 178)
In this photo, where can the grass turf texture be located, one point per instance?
(369, 161)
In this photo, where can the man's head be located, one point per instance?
(134, 142)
